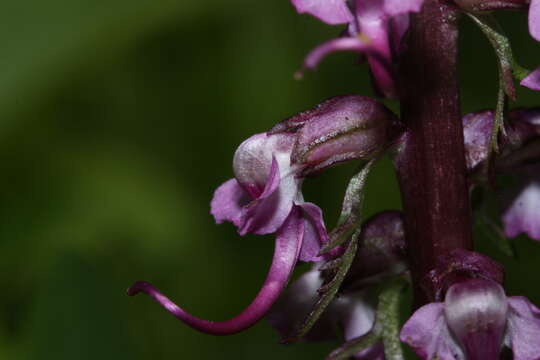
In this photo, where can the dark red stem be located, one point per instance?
(432, 166)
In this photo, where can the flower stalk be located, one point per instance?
(431, 166)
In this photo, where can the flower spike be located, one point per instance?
(288, 244)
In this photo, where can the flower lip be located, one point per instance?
(476, 312)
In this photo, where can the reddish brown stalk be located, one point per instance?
(432, 166)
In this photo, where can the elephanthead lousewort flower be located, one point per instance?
(374, 28)
(265, 195)
(474, 322)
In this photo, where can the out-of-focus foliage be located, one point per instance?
(118, 119)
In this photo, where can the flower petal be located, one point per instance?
(532, 81)
(373, 23)
(267, 213)
(358, 316)
(332, 12)
(523, 329)
(315, 234)
(534, 19)
(396, 7)
(253, 160)
(227, 203)
(427, 333)
(348, 43)
(477, 129)
(288, 243)
(523, 215)
(357, 319)
(399, 25)
(295, 304)
(476, 312)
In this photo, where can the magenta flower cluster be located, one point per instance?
(469, 316)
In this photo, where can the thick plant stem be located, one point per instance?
(432, 166)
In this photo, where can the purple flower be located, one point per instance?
(474, 322)
(264, 197)
(375, 28)
(266, 190)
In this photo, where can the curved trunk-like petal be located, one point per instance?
(228, 201)
(534, 19)
(427, 333)
(532, 81)
(288, 243)
(523, 329)
(332, 12)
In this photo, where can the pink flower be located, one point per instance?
(374, 27)
(265, 195)
(474, 322)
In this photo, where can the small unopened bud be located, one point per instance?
(340, 129)
(381, 251)
(476, 312)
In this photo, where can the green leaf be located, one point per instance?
(498, 121)
(351, 210)
(388, 318)
(503, 51)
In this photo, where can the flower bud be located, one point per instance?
(381, 251)
(476, 312)
(340, 129)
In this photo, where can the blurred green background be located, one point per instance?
(118, 119)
